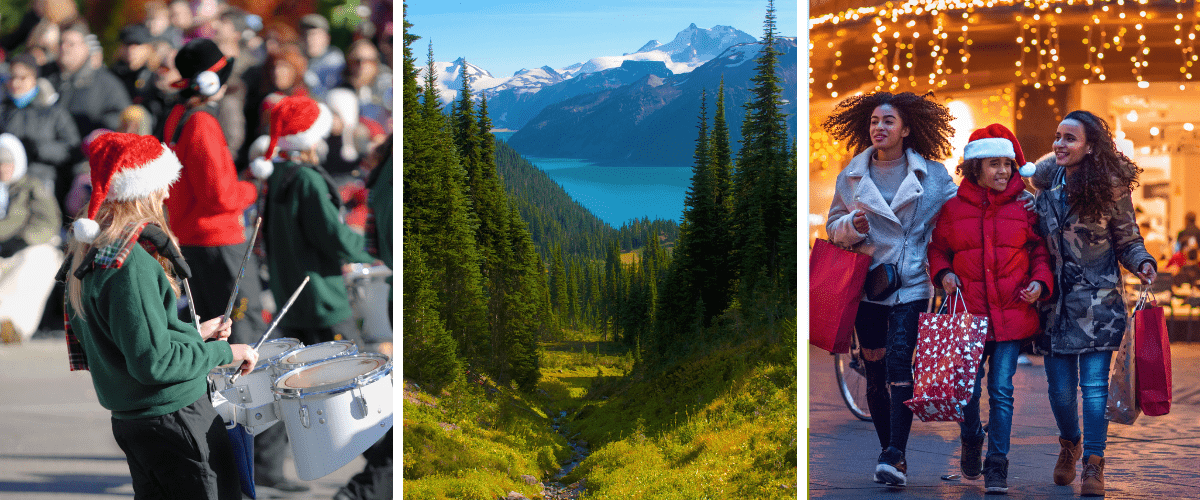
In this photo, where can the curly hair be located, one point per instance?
(928, 122)
(1104, 175)
(971, 169)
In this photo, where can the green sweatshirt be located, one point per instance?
(306, 237)
(145, 362)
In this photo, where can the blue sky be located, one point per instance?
(505, 36)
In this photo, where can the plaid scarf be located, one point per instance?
(111, 256)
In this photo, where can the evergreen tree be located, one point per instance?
(758, 182)
(717, 290)
(558, 285)
(436, 209)
(573, 284)
(430, 353)
(433, 357)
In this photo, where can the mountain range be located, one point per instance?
(512, 101)
(653, 121)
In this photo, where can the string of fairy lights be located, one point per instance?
(905, 32)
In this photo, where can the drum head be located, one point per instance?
(332, 373)
(322, 351)
(273, 348)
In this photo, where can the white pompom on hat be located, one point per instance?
(125, 167)
(997, 141)
(297, 124)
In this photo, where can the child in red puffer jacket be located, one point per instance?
(985, 247)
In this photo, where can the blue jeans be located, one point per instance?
(1001, 364)
(1090, 372)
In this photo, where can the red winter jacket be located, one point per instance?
(988, 239)
(206, 203)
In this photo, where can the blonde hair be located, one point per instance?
(113, 216)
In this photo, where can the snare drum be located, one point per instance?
(315, 353)
(255, 388)
(334, 410)
(368, 290)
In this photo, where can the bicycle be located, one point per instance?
(852, 379)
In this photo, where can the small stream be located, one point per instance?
(579, 451)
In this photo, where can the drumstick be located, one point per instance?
(275, 322)
(245, 259)
(192, 305)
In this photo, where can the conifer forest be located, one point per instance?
(551, 355)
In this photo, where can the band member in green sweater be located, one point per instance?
(148, 367)
(302, 227)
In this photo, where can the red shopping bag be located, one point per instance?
(835, 286)
(949, 349)
(1152, 360)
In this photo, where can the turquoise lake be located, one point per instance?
(617, 194)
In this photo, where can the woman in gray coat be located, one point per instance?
(1087, 218)
(884, 205)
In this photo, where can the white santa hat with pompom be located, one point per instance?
(997, 141)
(297, 124)
(125, 167)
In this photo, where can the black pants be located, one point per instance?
(214, 270)
(182, 455)
(893, 327)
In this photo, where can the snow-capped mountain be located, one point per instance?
(695, 46)
(690, 49)
(653, 121)
(528, 81)
(449, 78)
(510, 100)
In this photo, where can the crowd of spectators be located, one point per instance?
(60, 92)
(60, 87)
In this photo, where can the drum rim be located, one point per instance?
(336, 388)
(351, 350)
(269, 362)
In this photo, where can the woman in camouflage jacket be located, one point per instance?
(1087, 218)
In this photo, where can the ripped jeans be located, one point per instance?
(890, 380)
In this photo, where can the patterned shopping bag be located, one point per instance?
(949, 349)
(1122, 405)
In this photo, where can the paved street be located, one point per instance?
(1157, 457)
(56, 441)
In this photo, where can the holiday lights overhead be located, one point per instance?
(915, 40)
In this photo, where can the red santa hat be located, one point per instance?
(125, 167)
(997, 141)
(297, 123)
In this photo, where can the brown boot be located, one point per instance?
(1093, 477)
(1064, 469)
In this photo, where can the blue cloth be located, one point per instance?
(999, 363)
(243, 456)
(1089, 371)
(20, 101)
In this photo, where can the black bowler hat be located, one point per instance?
(201, 64)
(135, 34)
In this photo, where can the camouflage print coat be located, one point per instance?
(1087, 313)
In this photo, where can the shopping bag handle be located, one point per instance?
(956, 301)
(1142, 298)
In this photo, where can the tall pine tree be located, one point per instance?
(759, 179)
(437, 212)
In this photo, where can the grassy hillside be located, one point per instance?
(475, 440)
(719, 425)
